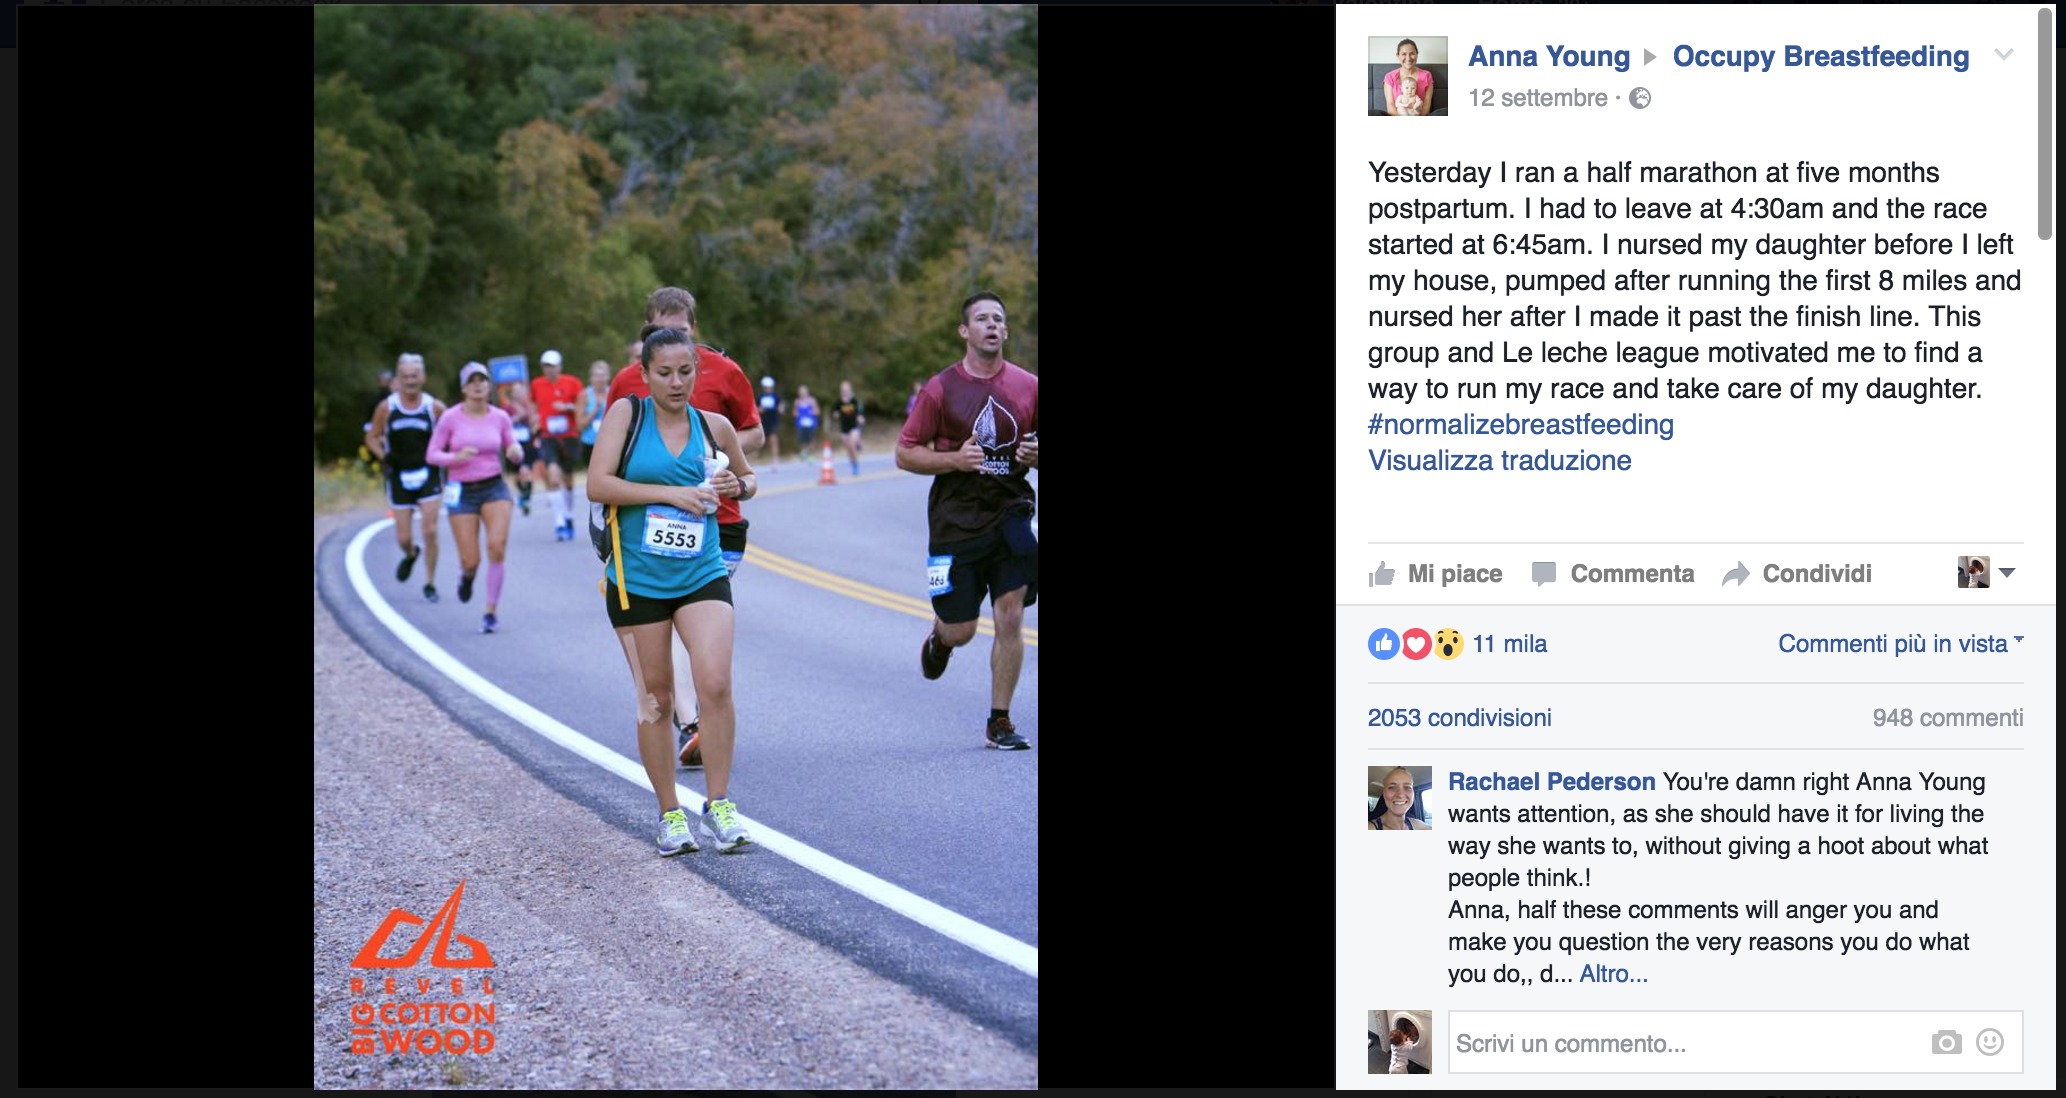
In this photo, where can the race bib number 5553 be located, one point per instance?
(673, 532)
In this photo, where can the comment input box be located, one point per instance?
(1736, 1041)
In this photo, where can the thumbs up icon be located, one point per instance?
(1383, 576)
(1384, 644)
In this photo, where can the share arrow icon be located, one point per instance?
(1738, 573)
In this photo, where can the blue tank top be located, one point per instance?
(670, 567)
(595, 418)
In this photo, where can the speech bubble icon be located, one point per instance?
(1545, 572)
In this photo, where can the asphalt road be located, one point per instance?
(843, 745)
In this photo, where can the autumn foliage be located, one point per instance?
(828, 181)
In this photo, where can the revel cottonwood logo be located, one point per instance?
(447, 916)
(408, 1025)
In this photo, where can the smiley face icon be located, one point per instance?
(1448, 643)
(1989, 1042)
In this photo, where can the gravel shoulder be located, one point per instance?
(612, 967)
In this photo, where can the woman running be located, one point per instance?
(471, 441)
(398, 437)
(806, 419)
(771, 420)
(673, 574)
(850, 420)
(516, 403)
(592, 405)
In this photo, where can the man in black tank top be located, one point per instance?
(399, 437)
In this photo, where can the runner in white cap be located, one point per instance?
(556, 404)
(469, 442)
(771, 419)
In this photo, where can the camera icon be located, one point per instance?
(1946, 1042)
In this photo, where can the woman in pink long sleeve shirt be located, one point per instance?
(469, 442)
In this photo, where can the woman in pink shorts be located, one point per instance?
(469, 442)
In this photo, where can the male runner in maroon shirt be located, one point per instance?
(974, 430)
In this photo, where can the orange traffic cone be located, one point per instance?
(825, 474)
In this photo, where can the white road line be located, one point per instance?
(932, 916)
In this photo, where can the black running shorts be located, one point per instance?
(985, 566)
(563, 452)
(645, 611)
(429, 480)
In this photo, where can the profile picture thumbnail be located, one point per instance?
(1401, 1042)
(1975, 571)
(1398, 797)
(1409, 76)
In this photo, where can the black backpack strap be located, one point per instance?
(709, 440)
(638, 415)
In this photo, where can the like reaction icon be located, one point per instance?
(1384, 644)
(1417, 643)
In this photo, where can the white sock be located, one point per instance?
(567, 497)
(559, 509)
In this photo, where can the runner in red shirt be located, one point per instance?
(721, 387)
(556, 400)
(975, 430)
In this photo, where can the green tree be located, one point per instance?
(542, 284)
(368, 254)
(828, 181)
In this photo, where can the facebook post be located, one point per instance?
(1683, 355)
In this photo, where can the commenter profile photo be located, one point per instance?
(1409, 76)
(1398, 797)
(1402, 1042)
(1976, 571)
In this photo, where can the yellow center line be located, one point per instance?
(855, 589)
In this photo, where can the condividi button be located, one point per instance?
(1803, 572)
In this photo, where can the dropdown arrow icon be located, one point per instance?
(2008, 571)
